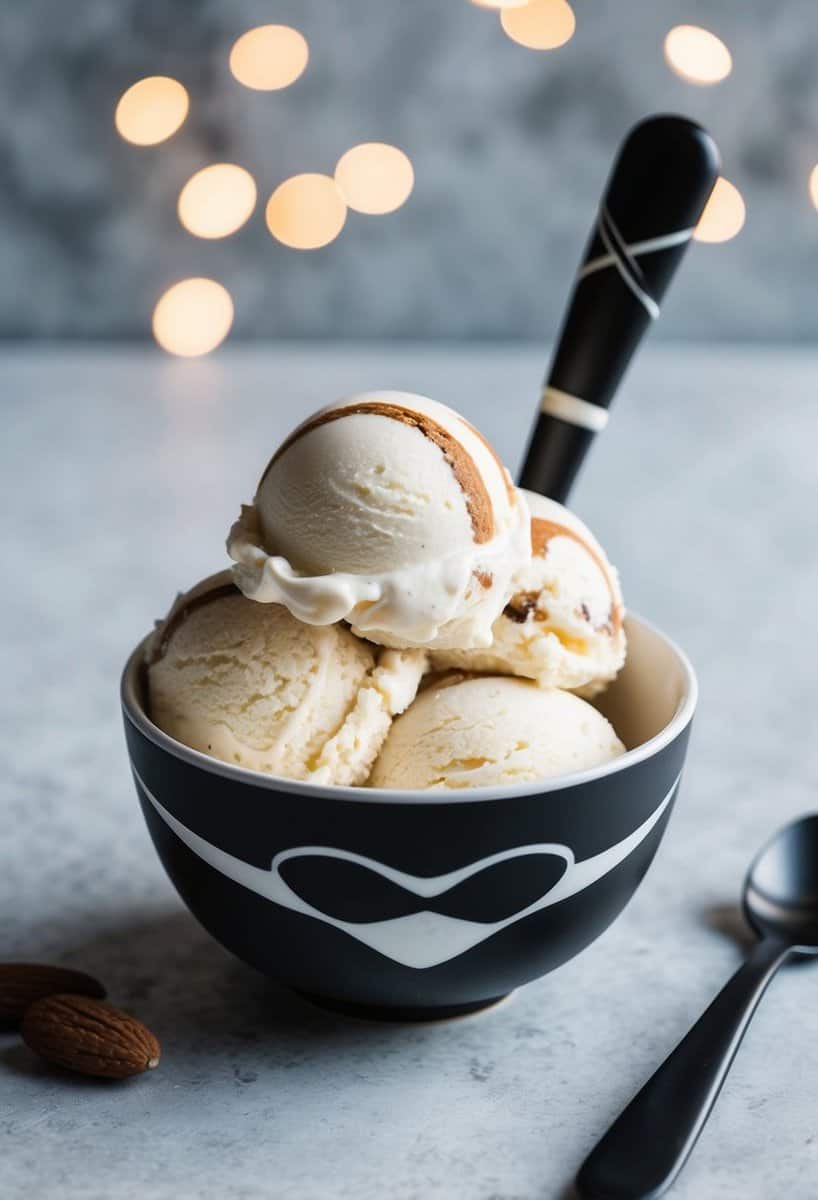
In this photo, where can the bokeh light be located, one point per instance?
(697, 56)
(306, 211)
(540, 25)
(723, 214)
(193, 317)
(813, 185)
(151, 110)
(217, 200)
(269, 57)
(375, 177)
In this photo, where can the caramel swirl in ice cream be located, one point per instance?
(511, 490)
(521, 606)
(475, 493)
(180, 613)
(542, 531)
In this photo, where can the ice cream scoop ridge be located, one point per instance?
(484, 730)
(247, 684)
(563, 625)
(391, 512)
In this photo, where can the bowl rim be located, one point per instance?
(135, 713)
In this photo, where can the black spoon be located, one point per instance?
(647, 1146)
(656, 192)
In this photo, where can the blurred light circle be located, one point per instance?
(540, 25)
(813, 185)
(697, 56)
(306, 211)
(151, 110)
(723, 214)
(375, 177)
(193, 317)
(269, 57)
(217, 200)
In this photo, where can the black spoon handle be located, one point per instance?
(649, 1143)
(654, 197)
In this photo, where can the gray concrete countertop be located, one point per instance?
(121, 471)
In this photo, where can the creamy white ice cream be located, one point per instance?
(464, 732)
(248, 684)
(391, 512)
(563, 624)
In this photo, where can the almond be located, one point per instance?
(23, 983)
(89, 1036)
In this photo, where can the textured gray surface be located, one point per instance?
(123, 472)
(511, 148)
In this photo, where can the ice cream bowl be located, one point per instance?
(417, 904)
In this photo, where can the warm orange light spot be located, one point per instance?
(269, 57)
(723, 214)
(306, 211)
(697, 55)
(151, 110)
(193, 317)
(540, 25)
(217, 200)
(375, 177)
(813, 185)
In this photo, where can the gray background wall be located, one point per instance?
(510, 148)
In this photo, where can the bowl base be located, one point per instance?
(406, 1013)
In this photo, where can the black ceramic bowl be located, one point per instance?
(417, 904)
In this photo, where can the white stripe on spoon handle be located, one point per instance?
(657, 189)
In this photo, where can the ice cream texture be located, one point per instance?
(398, 615)
(485, 730)
(391, 512)
(563, 625)
(249, 684)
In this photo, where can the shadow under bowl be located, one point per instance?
(410, 904)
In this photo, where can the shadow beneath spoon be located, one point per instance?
(728, 920)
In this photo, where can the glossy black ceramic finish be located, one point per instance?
(418, 903)
(654, 197)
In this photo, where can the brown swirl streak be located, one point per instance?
(542, 531)
(511, 490)
(181, 614)
(466, 471)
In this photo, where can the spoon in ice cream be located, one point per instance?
(656, 192)
(647, 1146)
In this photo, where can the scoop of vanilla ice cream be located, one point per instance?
(389, 511)
(250, 685)
(563, 624)
(473, 731)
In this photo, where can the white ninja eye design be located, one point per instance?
(350, 891)
(419, 921)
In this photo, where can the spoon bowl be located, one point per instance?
(648, 1144)
(781, 888)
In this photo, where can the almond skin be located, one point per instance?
(89, 1036)
(23, 983)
